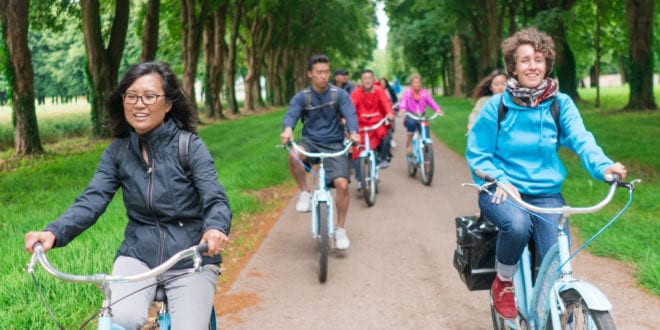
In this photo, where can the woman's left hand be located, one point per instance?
(617, 168)
(216, 241)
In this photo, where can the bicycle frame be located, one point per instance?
(322, 192)
(369, 154)
(541, 301)
(103, 281)
(422, 137)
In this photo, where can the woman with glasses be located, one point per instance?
(169, 207)
(493, 84)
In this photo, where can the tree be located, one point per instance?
(150, 31)
(215, 51)
(103, 63)
(14, 25)
(639, 15)
(192, 17)
(230, 72)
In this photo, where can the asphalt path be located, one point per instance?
(398, 272)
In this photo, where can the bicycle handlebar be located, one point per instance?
(371, 128)
(322, 154)
(613, 180)
(423, 116)
(39, 256)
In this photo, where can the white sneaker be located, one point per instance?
(304, 202)
(392, 144)
(359, 186)
(384, 164)
(341, 240)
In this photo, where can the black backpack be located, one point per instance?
(308, 101)
(554, 110)
(184, 152)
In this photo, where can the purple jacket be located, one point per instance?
(408, 103)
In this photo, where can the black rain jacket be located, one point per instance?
(167, 211)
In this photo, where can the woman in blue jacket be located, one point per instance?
(169, 206)
(521, 150)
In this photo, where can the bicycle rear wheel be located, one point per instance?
(579, 316)
(368, 182)
(323, 240)
(426, 168)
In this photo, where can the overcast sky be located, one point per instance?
(381, 30)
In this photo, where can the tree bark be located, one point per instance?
(150, 31)
(14, 16)
(458, 72)
(215, 49)
(230, 76)
(639, 15)
(260, 33)
(103, 63)
(191, 37)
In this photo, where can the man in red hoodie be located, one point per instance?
(372, 105)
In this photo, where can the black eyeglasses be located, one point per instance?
(147, 99)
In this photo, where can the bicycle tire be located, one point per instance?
(323, 240)
(412, 166)
(368, 183)
(426, 168)
(579, 316)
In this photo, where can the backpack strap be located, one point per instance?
(184, 153)
(554, 111)
(333, 96)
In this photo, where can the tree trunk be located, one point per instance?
(103, 63)
(565, 65)
(14, 19)
(639, 14)
(458, 72)
(150, 31)
(230, 76)
(215, 49)
(191, 36)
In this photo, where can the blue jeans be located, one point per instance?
(412, 125)
(516, 227)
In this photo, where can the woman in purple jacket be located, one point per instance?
(415, 100)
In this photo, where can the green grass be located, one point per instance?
(36, 193)
(625, 137)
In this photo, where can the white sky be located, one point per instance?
(382, 28)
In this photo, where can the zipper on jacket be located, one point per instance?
(150, 185)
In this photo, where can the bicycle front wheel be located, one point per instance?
(426, 168)
(323, 240)
(579, 316)
(368, 181)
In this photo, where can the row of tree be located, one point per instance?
(458, 41)
(212, 41)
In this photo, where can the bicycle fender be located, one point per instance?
(593, 297)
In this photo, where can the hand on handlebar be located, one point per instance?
(355, 138)
(500, 195)
(617, 168)
(216, 241)
(286, 135)
(46, 238)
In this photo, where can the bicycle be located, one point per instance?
(322, 207)
(368, 168)
(103, 282)
(422, 146)
(556, 300)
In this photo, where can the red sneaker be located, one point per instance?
(503, 299)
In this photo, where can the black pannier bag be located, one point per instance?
(474, 257)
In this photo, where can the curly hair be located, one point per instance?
(539, 40)
(483, 87)
(183, 112)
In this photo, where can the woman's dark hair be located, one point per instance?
(540, 41)
(318, 58)
(389, 90)
(483, 87)
(183, 113)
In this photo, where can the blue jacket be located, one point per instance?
(167, 212)
(525, 152)
(323, 124)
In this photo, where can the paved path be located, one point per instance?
(398, 272)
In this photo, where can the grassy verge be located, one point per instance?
(36, 193)
(622, 135)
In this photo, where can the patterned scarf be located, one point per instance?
(531, 97)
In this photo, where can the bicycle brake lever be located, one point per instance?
(33, 262)
(629, 185)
